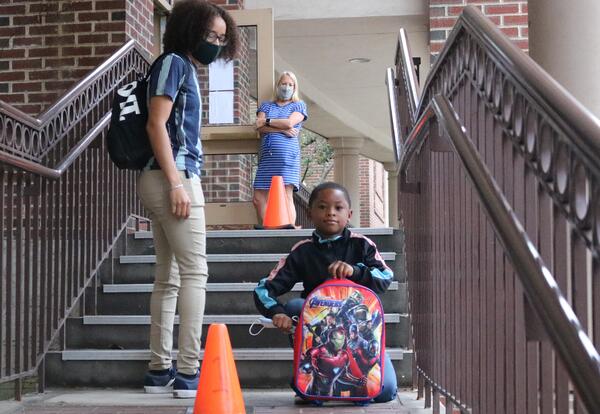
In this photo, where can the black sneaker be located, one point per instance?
(185, 386)
(160, 382)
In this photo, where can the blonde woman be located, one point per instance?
(279, 122)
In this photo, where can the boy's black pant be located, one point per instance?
(390, 385)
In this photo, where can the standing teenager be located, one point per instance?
(197, 33)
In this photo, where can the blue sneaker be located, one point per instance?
(159, 382)
(185, 386)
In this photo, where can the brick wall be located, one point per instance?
(373, 184)
(509, 15)
(139, 22)
(47, 46)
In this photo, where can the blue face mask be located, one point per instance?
(206, 53)
(285, 92)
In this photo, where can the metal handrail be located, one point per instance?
(55, 173)
(570, 340)
(403, 56)
(60, 117)
(580, 126)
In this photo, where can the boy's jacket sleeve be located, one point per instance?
(281, 280)
(372, 272)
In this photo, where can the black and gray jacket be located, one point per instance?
(308, 262)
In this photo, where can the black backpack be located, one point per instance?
(127, 141)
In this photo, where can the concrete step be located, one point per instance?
(222, 298)
(264, 241)
(229, 258)
(133, 331)
(126, 368)
(226, 268)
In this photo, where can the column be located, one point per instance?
(564, 39)
(393, 213)
(346, 171)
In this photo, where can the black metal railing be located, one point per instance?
(63, 204)
(499, 181)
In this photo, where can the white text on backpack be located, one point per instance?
(131, 104)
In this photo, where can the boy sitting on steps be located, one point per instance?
(333, 250)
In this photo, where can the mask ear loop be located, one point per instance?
(264, 322)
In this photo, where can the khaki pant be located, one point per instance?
(183, 278)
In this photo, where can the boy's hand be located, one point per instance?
(283, 322)
(340, 270)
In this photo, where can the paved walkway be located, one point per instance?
(107, 401)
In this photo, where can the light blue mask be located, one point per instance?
(285, 92)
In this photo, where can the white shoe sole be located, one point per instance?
(158, 389)
(184, 393)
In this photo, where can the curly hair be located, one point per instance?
(190, 20)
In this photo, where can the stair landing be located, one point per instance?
(123, 401)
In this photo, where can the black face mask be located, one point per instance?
(206, 53)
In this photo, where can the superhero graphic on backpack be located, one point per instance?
(344, 364)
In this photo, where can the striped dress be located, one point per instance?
(279, 154)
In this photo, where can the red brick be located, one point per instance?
(79, 5)
(11, 76)
(27, 41)
(58, 85)
(445, 2)
(41, 97)
(524, 8)
(442, 23)
(27, 87)
(437, 11)
(455, 10)
(73, 73)
(10, 31)
(42, 74)
(12, 97)
(101, 38)
(32, 109)
(92, 16)
(44, 7)
(524, 31)
(26, 20)
(77, 51)
(59, 40)
(12, 53)
(515, 20)
(482, 1)
(77, 28)
(109, 26)
(436, 47)
(43, 52)
(90, 61)
(118, 38)
(523, 44)
(104, 50)
(7, 10)
(110, 5)
(510, 31)
(502, 9)
(60, 18)
(27, 64)
(43, 30)
(60, 62)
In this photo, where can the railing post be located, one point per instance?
(427, 394)
(42, 376)
(393, 210)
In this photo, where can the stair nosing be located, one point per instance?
(368, 231)
(210, 287)
(240, 354)
(230, 258)
(208, 319)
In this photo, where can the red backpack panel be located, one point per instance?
(339, 343)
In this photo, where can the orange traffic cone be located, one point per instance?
(219, 389)
(277, 214)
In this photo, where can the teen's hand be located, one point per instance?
(340, 270)
(180, 203)
(283, 322)
(292, 132)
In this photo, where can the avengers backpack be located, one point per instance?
(339, 344)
